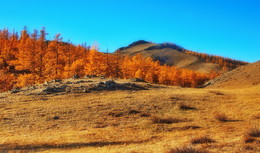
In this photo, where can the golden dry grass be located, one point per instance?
(243, 77)
(122, 121)
(202, 139)
(254, 131)
(185, 149)
(222, 117)
(183, 106)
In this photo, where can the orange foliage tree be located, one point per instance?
(223, 62)
(27, 59)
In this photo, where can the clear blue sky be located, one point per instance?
(229, 28)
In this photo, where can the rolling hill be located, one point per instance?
(174, 55)
(244, 76)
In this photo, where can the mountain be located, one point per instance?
(244, 76)
(174, 55)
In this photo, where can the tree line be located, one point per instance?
(223, 62)
(29, 58)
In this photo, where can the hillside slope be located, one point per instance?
(174, 55)
(244, 76)
(169, 54)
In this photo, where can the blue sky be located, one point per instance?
(229, 28)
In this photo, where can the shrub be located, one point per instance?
(145, 114)
(133, 111)
(250, 134)
(247, 138)
(216, 92)
(185, 149)
(183, 106)
(256, 116)
(248, 148)
(116, 113)
(254, 132)
(203, 139)
(222, 117)
(165, 120)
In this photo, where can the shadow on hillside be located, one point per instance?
(230, 120)
(17, 147)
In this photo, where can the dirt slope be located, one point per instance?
(244, 76)
(169, 54)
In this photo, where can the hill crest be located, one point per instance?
(175, 55)
(244, 76)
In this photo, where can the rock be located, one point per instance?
(53, 81)
(81, 81)
(77, 86)
(137, 80)
(87, 76)
(54, 89)
(110, 84)
(99, 86)
(81, 89)
(101, 83)
(68, 82)
(32, 87)
(206, 84)
(56, 117)
(16, 90)
(132, 111)
(57, 80)
(102, 77)
(90, 76)
(76, 76)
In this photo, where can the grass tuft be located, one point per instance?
(222, 117)
(250, 135)
(256, 116)
(247, 138)
(165, 120)
(145, 114)
(216, 92)
(201, 140)
(185, 149)
(133, 111)
(248, 147)
(183, 106)
(254, 131)
(116, 114)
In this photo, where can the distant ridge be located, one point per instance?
(165, 45)
(139, 42)
(175, 55)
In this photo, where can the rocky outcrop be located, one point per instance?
(81, 86)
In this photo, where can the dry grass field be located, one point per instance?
(163, 119)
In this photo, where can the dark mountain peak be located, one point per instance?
(165, 45)
(139, 42)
